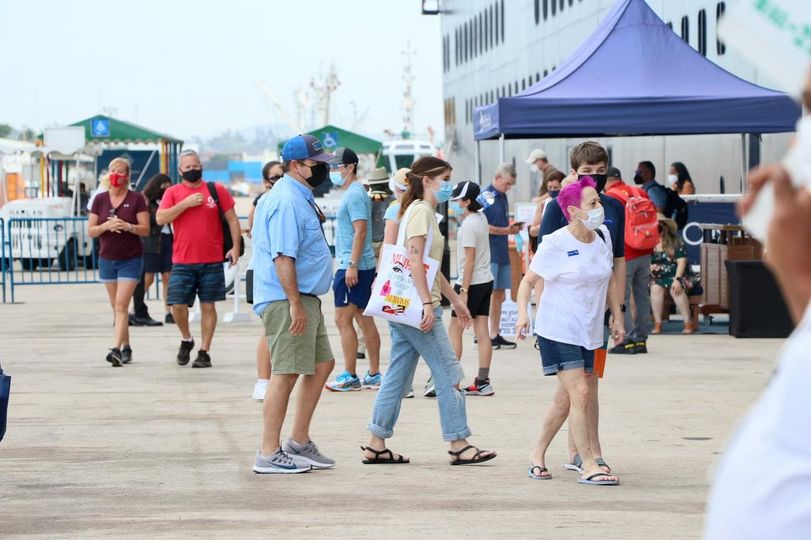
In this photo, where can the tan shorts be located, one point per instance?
(296, 354)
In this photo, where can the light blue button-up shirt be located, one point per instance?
(355, 206)
(286, 223)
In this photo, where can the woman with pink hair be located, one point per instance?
(573, 269)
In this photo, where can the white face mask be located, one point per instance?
(533, 167)
(594, 220)
(672, 179)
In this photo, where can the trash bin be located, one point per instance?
(756, 305)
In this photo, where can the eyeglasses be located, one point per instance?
(112, 213)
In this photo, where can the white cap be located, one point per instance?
(535, 155)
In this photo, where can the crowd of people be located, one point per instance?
(582, 250)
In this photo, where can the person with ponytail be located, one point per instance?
(118, 218)
(428, 186)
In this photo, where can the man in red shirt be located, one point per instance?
(197, 254)
(637, 275)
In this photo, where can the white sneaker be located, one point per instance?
(259, 389)
(410, 393)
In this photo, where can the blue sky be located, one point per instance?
(189, 67)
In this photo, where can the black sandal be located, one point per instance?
(477, 457)
(390, 460)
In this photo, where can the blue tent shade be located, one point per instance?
(634, 76)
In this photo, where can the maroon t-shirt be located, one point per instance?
(124, 245)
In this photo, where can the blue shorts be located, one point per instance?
(206, 281)
(359, 294)
(502, 276)
(111, 270)
(557, 356)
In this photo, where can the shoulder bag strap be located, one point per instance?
(404, 224)
(212, 189)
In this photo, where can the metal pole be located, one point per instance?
(502, 149)
(477, 174)
(744, 160)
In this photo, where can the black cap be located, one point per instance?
(466, 190)
(613, 172)
(345, 156)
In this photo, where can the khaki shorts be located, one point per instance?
(296, 354)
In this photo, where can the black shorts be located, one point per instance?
(158, 263)
(478, 299)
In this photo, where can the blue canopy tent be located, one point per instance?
(635, 76)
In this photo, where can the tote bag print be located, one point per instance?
(394, 295)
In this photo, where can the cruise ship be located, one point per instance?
(497, 48)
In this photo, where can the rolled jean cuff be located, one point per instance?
(450, 437)
(381, 432)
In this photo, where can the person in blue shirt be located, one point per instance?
(645, 176)
(352, 286)
(587, 159)
(498, 219)
(292, 267)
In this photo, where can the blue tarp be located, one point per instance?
(635, 76)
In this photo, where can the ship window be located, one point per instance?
(502, 21)
(685, 29)
(482, 33)
(702, 32)
(486, 34)
(546, 9)
(554, 7)
(670, 25)
(538, 76)
(571, 3)
(562, 2)
(545, 73)
(537, 11)
(720, 47)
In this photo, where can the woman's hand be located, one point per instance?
(462, 312)
(617, 327)
(522, 327)
(676, 287)
(116, 225)
(428, 318)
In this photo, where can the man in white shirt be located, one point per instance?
(762, 487)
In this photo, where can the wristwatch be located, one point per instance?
(351, 264)
(462, 289)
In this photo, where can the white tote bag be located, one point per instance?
(394, 295)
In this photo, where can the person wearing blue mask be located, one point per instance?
(428, 186)
(352, 286)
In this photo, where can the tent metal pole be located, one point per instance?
(502, 149)
(478, 172)
(744, 161)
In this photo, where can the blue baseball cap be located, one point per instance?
(305, 147)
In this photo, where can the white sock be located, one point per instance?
(262, 381)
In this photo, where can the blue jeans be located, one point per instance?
(407, 345)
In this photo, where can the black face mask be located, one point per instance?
(638, 180)
(320, 174)
(192, 175)
(599, 179)
(554, 193)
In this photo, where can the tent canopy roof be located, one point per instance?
(333, 137)
(123, 132)
(635, 76)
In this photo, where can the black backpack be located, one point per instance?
(227, 241)
(675, 206)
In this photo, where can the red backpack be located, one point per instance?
(641, 221)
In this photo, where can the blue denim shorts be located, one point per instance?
(206, 281)
(557, 356)
(502, 276)
(358, 295)
(111, 270)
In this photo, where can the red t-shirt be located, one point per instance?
(198, 230)
(622, 192)
(124, 245)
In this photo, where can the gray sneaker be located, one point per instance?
(278, 463)
(308, 454)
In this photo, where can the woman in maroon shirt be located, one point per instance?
(118, 217)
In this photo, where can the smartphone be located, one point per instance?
(797, 162)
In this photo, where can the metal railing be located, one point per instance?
(3, 262)
(48, 251)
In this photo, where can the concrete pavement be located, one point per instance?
(153, 449)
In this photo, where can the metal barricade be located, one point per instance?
(3, 262)
(48, 251)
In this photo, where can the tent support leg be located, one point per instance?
(502, 149)
(744, 161)
(478, 172)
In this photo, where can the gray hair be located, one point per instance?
(506, 170)
(186, 153)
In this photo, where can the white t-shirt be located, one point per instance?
(474, 233)
(762, 487)
(576, 277)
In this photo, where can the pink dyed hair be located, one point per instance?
(572, 195)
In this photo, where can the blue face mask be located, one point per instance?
(444, 193)
(336, 178)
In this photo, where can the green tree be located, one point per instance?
(5, 130)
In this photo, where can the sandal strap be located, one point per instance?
(378, 453)
(462, 451)
(540, 469)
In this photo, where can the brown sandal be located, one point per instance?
(378, 460)
(477, 457)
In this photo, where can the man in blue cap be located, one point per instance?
(292, 268)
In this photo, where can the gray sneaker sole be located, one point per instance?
(279, 470)
(298, 458)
